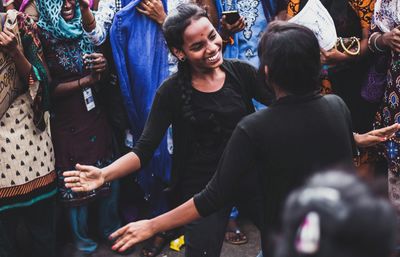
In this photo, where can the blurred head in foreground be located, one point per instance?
(335, 215)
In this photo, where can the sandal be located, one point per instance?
(155, 245)
(233, 235)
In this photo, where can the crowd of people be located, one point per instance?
(211, 115)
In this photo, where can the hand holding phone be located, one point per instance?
(231, 16)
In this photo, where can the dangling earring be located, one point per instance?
(182, 59)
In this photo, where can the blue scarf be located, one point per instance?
(141, 58)
(50, 19)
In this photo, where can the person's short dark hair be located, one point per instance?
(178, 20)
(351, 221)
(292, 55)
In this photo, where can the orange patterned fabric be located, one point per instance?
(28, 187)
(363, 8)
(293, 7)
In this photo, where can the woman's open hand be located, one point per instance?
(131, 234)
(153, 9)
(376, 136)
(84, 178)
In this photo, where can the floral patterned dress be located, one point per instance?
(389, 111)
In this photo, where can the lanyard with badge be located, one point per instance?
(87, 92)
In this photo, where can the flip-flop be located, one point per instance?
(151, 249)
(236, 237)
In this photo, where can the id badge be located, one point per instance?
(89, 100)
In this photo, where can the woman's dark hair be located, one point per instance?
(173, 28)
(352, 222)
(178, 20)
(292, 55)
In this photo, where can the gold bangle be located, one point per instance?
(347, 49)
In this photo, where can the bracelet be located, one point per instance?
(90, 23)
(375, 44)
(370, 43)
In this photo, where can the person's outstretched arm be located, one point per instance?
(376, 136)
(136, 232)
(86, 178)
(238, 158)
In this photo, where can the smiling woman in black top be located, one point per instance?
(204, 101)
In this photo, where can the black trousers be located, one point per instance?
(205, 236)
(39, 219)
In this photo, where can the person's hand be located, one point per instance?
(228, 30)
(84, 178)
(84, 4)
(153, 9)
(131, 234)
(8, 42)
(333, 56)
(95, 62)
(376, 136)
(392, 39)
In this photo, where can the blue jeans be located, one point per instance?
(109, 220)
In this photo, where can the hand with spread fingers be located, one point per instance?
(84, 178)
(376, 136)
(153, 9)
(8, 42)
(131, 234)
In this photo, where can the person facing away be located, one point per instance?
(300, 133)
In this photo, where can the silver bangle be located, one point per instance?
(376, 46)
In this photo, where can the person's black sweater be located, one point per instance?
(286, 143)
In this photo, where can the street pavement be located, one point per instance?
(251, 249)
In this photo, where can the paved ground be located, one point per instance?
(250, 249)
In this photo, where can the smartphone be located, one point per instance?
(231, 16)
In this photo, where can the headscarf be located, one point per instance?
(387, 14)
(51, 20)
